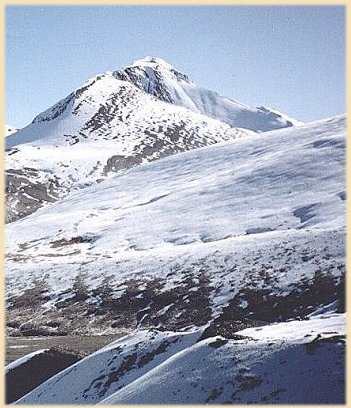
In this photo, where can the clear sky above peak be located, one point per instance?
(288, 58)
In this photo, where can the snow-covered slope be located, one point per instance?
(294, 362)
(111, 368)
(157, 77)
(306, 367)
(9, 130)
(107, 125)
(236, 233)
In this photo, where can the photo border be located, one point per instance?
(142, 3)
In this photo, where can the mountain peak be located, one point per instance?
(156, 69)
(157, 77)
(152, 61)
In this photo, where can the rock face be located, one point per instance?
(28, 189)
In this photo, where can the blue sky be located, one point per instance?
(288, 58)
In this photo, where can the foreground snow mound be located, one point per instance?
(280, 369)
(286, 363)
(240, 230)
(110, 369)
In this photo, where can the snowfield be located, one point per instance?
(223, 225)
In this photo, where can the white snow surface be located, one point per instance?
(327, 325)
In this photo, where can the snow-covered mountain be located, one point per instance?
(241, 230)
(117, 120)
(105, 126)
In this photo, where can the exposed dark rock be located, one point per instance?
(69, 241)
(218, 343)
(117, 163)
(55, 111)
(319, 340)
(21, 380)
(26, 194)
(225, 326)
